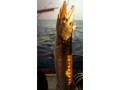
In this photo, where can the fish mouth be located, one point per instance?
(65, 22)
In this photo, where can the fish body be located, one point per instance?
(63, 49)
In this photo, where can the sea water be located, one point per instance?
(46, 32)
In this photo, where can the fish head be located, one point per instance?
(65, 22)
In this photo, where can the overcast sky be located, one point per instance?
(42, 4)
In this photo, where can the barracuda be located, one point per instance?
(63, 49)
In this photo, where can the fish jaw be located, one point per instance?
(65, 22)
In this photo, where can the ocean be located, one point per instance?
(46, 30)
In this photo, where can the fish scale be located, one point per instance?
(63, 49)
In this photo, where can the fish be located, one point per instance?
(63, 48)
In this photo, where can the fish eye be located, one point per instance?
(65, 20)
(71, 23)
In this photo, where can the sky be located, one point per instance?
(43, 4)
